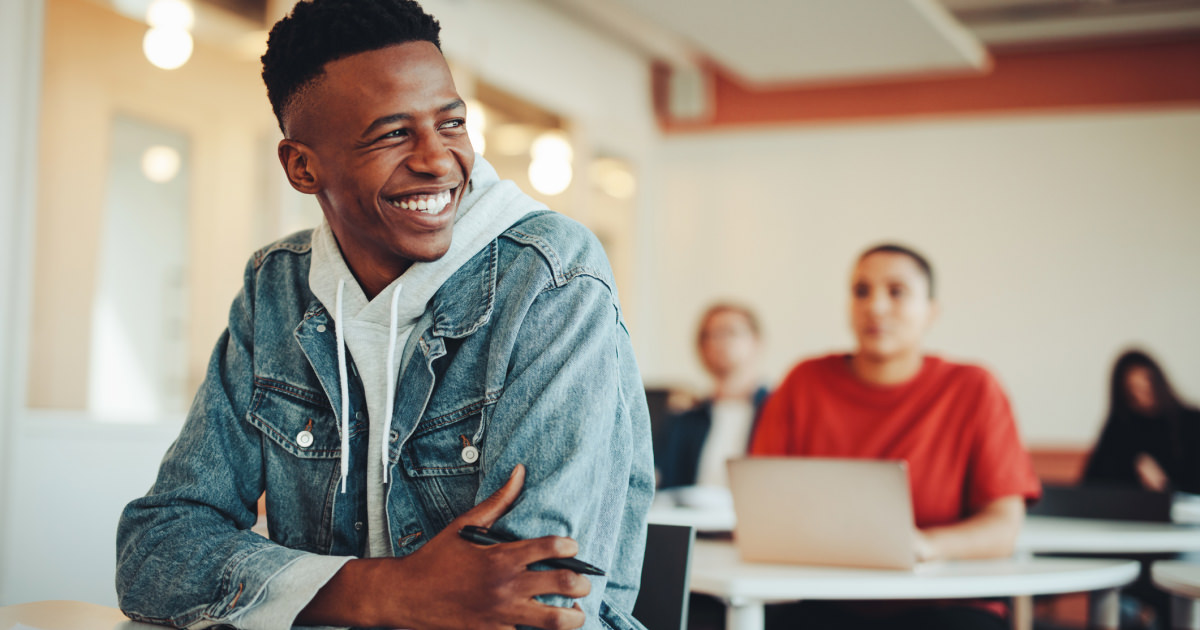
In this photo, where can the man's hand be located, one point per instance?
(452, 583)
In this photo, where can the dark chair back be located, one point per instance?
(662, 602)
(1122, 503)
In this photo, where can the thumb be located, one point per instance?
(492, 508)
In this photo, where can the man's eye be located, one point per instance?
(396, 133)
(457, 123)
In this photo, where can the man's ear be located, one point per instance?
(300, 165)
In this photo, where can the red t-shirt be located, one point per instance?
(952, 423)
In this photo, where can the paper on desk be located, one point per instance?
(1185, 508)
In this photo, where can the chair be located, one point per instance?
(1104, 501)
(662, 602)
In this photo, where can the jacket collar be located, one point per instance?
(465, 301)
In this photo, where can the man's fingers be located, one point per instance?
(553, 618)
(492, 508)
(555, 582)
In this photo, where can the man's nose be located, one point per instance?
(431, 156)
(878, 302)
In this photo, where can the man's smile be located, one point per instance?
(426, 203)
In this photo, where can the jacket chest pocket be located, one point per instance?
(302, 456)
(443, 457)
(447, 445)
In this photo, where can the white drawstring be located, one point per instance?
(343, 382)
(386, 425)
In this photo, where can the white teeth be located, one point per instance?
(428, 204)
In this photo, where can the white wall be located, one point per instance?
(20, 65)
(1058, 240)
(70, 479)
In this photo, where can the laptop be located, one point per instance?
(823, 511)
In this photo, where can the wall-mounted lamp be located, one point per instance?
(550, 170)
(476, 124)
(160, 164)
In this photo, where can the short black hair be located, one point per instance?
(893, 248)
(320, 31)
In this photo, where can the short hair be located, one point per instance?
(727, 307)
(320, 31)
(893, 248)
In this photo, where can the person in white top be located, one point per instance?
(698, 442)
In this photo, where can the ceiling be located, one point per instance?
(765, 42)
(799, 42)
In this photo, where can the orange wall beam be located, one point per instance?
(1127, 74)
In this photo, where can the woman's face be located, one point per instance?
(890, 307)
(1139, 387)
(727, 342)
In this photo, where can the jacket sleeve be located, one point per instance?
(574, 413)
(186, 555)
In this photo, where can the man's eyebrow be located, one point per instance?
(392, 118)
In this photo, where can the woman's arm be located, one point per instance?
(990, 532)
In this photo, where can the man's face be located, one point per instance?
(390, 156)
(890, 308)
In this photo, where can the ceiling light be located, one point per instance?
(167, 48)
(175, 14)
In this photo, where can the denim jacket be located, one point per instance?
(522, 355)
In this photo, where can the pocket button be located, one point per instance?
(470, 454)
(304, 439)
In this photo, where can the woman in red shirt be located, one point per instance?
(952, 423)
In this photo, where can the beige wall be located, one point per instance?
(1058, 238)
(94, 68)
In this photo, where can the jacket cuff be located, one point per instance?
(279, 598)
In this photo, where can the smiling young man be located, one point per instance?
(952, 423)
(441, 351)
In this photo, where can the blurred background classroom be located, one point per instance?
(1045, 154)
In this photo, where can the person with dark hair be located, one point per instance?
(1150, 438)
(699, 441)
(442, 352)
(952, 423)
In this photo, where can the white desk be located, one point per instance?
(1043, 534)
(67, 615)
(1182, 581)
(747, 587)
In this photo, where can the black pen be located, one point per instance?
(485, 536)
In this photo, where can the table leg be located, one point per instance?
(1104, 609)
(1185, 613)
(1022, 612)
(745, 614)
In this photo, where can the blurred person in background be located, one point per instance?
(691, 459)
(888, 399)
(1150, 438)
